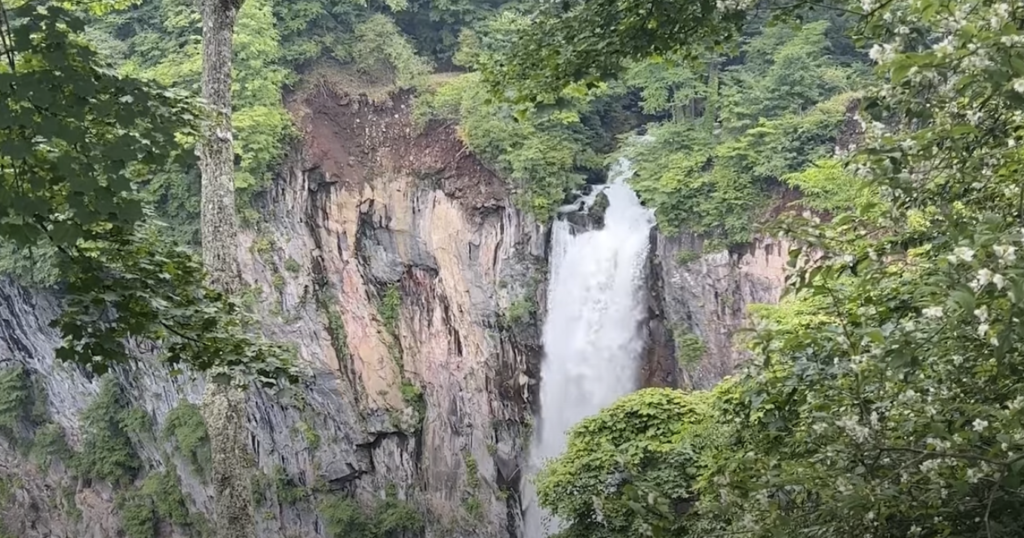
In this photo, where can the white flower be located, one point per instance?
(1016, 405)
(1005, 253)
(964, 253)
(882, 53)
(982, 279)
(734, 5)
(981, 313)
(983, 329)
(945, 47)
(1018, 85)
(973, 475)
(934, 312)
(999, 281)
(1012, 40)
(979, 425)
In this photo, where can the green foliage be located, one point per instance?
(686, 256)
(775, 119)
(79, 142)
(186, 427)
(33, 266)
(136, 421)
(344, 518)
(587, 41)
(289, 492)
(520, 311)
(829, 187)
(50, 444)
(138, 519)
(689, 347)
(160, 41)
(389, 518)
(389, 309)
(65, 116)
(543, 156)
(25, 421)
(474, 508)
(472, 471)
(310, 434)
(653, 435)
(153, 290)
(158, 499)
(107, 451)
(335, 326)
(413, 397)
(169, 503)
(8, 485)
(383, 55)
(15, 400)
(259, 488)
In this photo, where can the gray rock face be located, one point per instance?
(366, 208)
(708, 295)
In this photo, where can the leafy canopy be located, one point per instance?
(77, 140)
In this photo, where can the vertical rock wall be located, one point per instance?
(708, 297)
(388, 256)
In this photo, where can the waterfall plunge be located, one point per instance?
(593, 336)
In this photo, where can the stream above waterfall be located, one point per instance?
(593, 332)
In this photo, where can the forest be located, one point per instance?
(883, 396)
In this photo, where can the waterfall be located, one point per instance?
(593, 335)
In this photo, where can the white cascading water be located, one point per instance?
(593, 335)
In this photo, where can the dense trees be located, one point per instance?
(884, 395)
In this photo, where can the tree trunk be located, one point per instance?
(223, 406)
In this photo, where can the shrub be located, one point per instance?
(186, 427)
(652, 433)
(689, 347)
(107, 450)
(15, 400)
(390, 518)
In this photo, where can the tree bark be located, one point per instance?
(223, 406)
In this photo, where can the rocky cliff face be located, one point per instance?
(391, 259)
(394, 262)
(705, 300)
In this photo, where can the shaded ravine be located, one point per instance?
(594, 334)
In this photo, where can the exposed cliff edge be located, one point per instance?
(395, 263)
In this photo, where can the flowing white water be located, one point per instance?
(593, 336)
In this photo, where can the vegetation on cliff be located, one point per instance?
(884, 394)
(883, 397)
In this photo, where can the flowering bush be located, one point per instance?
(900, 413)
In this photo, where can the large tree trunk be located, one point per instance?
(223, 407)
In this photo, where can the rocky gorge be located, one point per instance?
(414, 292)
